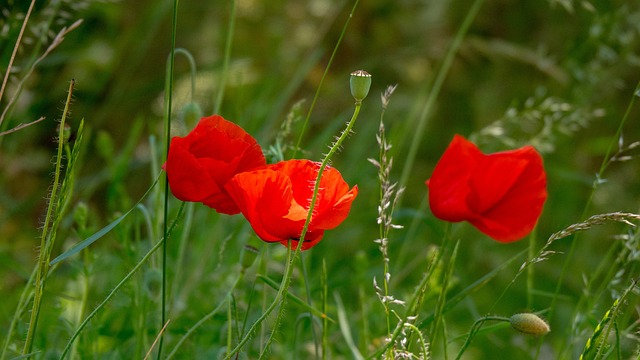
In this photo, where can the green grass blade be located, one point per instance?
(95, 237)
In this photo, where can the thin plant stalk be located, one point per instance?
(324, 75)
(208, 316)
(292, 254)
(474, 330)
(165, 209)
(45, 239)
(434, 91)
(287, 280)
(325, 320)
(227, 55)
(603, 167)
(122, 282)
(7, 72)
(439, 311)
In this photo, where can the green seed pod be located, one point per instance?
(530, 324)
(360, 83)
(248, 256)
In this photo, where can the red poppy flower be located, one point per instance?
(199, 164)
(275, 200)
(501, 194)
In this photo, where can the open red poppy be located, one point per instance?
(199, 164)
(275, 200)
(501, 194)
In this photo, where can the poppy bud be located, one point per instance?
(66, 133)
(191, 114)
(152, 283)
(530, 324)
(80, 214)
(360, 83)
(248, 256)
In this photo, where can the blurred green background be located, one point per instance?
(559, 74)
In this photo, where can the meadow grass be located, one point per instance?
(122, 269)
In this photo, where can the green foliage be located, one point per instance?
(559, 74)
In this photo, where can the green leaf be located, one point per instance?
(93, 238)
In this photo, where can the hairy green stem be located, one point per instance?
(45, 240)
(292, 254)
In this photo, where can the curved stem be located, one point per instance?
(293, 254)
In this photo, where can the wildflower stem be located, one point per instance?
(165, 209)
(46, 241)
(293, 254)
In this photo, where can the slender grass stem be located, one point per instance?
(603, 167)
(418, 132)
(165, 209)
(474, 330)
(227, 56)
(324, 75)
(122, 282)
(7, 72)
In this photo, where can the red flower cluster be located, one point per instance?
(501, 194)
(223, 167)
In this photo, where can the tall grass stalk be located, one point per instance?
(434, 90)
(46, 238)
(7, 72)
(165, 215)
(324, 75)
(222, 84)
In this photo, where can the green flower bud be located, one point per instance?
(80, 214)
(152, 283)
(248, 256)
(360, 83)
(530, 324)
(191, 114)
(66, 133)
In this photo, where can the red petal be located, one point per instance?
(449, 185)
(265, 198)
(217, 149)
(501, 194)
(275, 200)
(518, 210)
(187, 178)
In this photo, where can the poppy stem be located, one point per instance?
(286, 280)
